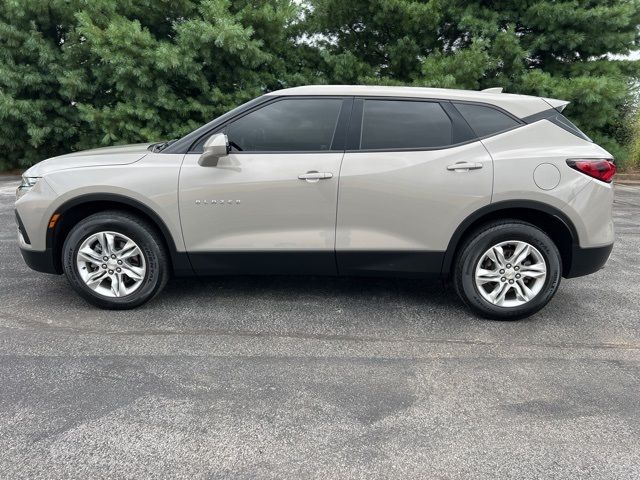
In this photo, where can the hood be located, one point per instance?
(118, 155)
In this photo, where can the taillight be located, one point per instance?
(600, 168)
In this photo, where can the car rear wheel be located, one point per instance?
(507, 270)
(115, 260)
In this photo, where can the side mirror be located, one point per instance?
(215, 147)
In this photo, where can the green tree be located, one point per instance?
(77, 74)
(36, 121)
(634, 141)
(559, 49)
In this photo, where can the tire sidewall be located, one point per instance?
(137, 233)
(485, 240)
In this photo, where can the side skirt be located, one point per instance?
(263, 263)
(372, 263)
(406, 264)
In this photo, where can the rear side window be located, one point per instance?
(287, 125)
(568, 125)
(485, 120)
(399, 124)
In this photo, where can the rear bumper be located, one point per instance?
(587, 260)
(39, 261)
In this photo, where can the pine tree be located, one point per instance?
(77, 74)
(559, 49)
(36, 121)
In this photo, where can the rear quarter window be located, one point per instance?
(485, 120)
(569, 126)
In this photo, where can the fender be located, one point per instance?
(493, 208)
(179, 260)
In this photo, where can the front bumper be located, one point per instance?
(21, 229)
(587, 260)
(39, 261)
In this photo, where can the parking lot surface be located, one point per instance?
(302, 378)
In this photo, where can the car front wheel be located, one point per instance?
(508, 270)
(115, 260)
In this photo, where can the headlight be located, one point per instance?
(26, 185)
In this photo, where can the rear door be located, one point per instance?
(270, 205)
(412, 172)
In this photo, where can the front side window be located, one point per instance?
(404, 124)
(287, 125)
(485, 120)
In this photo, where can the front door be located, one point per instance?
(270, 205)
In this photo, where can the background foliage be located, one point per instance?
(82, 73)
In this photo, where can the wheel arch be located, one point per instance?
(549, 219)
(78, 208)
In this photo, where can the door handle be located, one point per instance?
(464, 166)
(313, 176)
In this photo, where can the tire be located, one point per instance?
(481, 290)
(143, 261)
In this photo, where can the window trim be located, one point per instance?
(355, 130)
(348, 120)
(339, 133)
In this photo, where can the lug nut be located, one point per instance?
(508, 265)
(104, 266)
(113, 255)
(510, 281)
(119, 262)
(110, 272)
(516, 268)
(517, 275)
(118, 269)
(105, 258)
(502, 270)
(503, 279)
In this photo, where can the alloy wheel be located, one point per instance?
(111, 264)
(510, 273)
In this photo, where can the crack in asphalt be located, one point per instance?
(325, 337)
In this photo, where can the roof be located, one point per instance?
(519, 105)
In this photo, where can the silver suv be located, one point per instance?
(499, 193)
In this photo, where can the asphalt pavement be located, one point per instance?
(327, 378)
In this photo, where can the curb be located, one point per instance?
(628, 176)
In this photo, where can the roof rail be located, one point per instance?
(493, 90)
